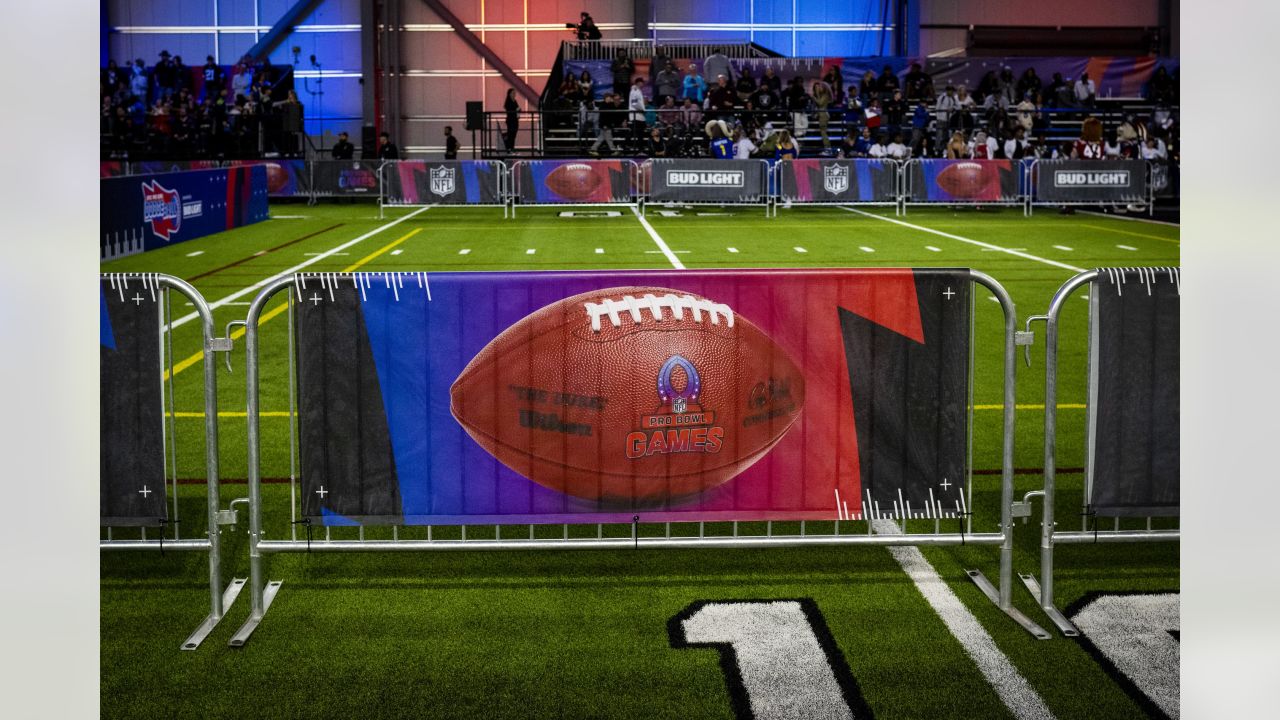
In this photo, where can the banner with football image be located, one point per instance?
(519, 397)
(707, 181)
(821, 180)
(586, 182)
(442, 182)
(1090, 181)
(345, 178)
(285, 178)
(964, 182)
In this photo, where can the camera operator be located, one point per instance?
(585, 28)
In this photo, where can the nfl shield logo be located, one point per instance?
(835, 178)
(442, 181)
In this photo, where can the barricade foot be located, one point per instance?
(994, 596)
(210, 622)
(1065, 626)
(242, 635)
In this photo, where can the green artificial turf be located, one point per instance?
(584, 634)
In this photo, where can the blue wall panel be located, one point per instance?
(790, 27)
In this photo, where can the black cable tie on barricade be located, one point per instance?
(635, 531)
(960, 516)
(306, 522)
(163, 522)
(1092, 516)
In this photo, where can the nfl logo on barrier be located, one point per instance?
(442, 180)
(835, 178)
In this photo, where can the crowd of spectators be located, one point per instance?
(175, 111)
(877, 116)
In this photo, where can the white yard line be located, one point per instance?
(1149, 221)
(1063, 248)
(1014, 690)
(979, 243)
(657, 239)
(1127, 247)
(932, 248)
(311, 261)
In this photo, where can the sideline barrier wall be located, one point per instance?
(477, 183)
(964, 182)
(138, 443)
(829, 181)
(345, 178)
(374, 452)
(146, 212)
(574, 182)
(706, 182)
(1090, 182)
(286, 178)
(1132, 439)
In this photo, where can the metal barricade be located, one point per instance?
(574, 182)
(428, 183)
(1050, 535)
(262, 591)
(157, 288)
(934, 181)
(686, 181)
(832, 181)
(1065, 182)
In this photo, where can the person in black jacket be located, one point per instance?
(586, 27)
(343, 149)
(622, 69)
(387, 150)
(513, 119)
(450, 144)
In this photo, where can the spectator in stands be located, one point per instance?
(879, 149)
(1029, 83)
(822, 98)
(897, 150)
(1017, 147)
(655, 144)
(895, 112)
(874, 117)
(611, 116)
(622, 69)
(887, 83)
(924, 147)
(667, 84)
(918, 84)
(848, 146)
(241, 78)
(798, 104)
(867, 87)
(450, 144)
(962, 118)
(586, 86)
(164, 76)
(569, 89)
(387, 150)
(717, 64)
(669, 115)
(745, 87)
(588, 118)
(695, 87)
(862, 146)
(721, 99)
(636, 106)
(1162, 89)
(743, 148)
(691, 114)
(983, 146)
(512, 109)
(181, 74)
(1027, 112)
(138, 80)
(919, 122)
(343, 149)
(987, 86)
(211, 74)
(1085, 91)
(766, 99)
(110, 80)
(957, 148)
(771, 80)
(721, 147)
(946, 107)
(834, 79)
(1008, 87)
(1155, 150)
(1060, 92)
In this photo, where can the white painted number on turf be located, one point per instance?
(1137, 635)
(784, 663)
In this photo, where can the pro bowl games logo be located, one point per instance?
(162, 208)
(442, 180)
(680, 423)
(835, 178)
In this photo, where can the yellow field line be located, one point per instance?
(1126, 232)
(239, 333)
(283, 413)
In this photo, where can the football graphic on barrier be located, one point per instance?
(575, 181)
(965, 180)
(630, 397)
(277, 178)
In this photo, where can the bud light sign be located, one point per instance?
(1090, 181)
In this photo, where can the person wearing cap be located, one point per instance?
(165, 76)
(695, 87)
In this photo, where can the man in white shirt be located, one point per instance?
(897, 150)
(947, 104)
(879, 149)
(635, 103)
(742, 145)
(1017, 147)
(1086, 91)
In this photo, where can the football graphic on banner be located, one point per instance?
(630, 396)
(968, 180)
(575, 181)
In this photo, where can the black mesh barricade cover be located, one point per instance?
(1135, 465)
(131, 424)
